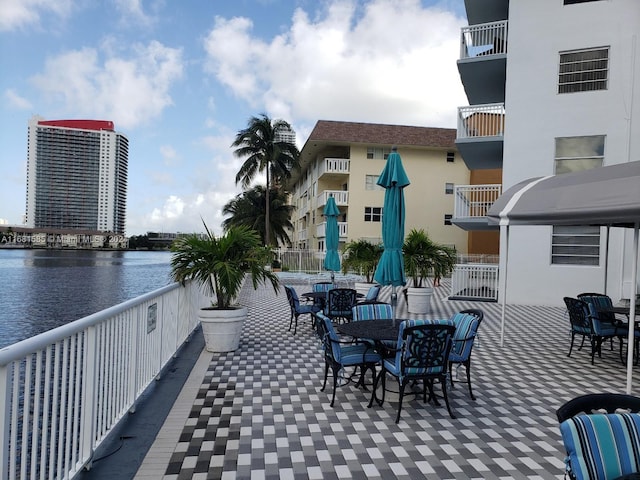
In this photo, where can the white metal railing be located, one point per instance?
(475, 281)
(485, 120)
(322, 227)
(477, 258)
(301, 260)
(334, 165)
(61, 392)
(473, 201)
(484, 39)
(341, 197)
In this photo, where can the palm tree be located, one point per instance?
(265, 150)
(248, 209)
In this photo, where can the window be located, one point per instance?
(378, 153)
(575, 245)
(448, 188)
(447, 218)
(579, 153)
(583, 70)
(372, 214)
(451, 156)
(371, 183)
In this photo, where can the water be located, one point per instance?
(43, 289)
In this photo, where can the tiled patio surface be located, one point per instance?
(258, 413)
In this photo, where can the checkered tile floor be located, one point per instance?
(258, 413)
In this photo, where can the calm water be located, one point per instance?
(43, 289)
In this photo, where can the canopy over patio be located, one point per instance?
(606, 196)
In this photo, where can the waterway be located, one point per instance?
(43, 289)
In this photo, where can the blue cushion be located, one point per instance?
(602, 446)
(464, 336)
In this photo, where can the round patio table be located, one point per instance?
(376, 330)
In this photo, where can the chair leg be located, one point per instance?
(326, 375)
(295, 328)
(573, 336)
(291, 321)
(467, 365)
(402, 385)
(443, 381)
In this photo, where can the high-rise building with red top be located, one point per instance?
(76, 175)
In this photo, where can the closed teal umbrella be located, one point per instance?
(331, 258)
(390, 270)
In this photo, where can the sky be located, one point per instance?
(180, 78)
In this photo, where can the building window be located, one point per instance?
(574, 154)
(372, 214)
(371, 183)
(572, 245)
(451, 156)
(448, 188)
(577, 245)
(447, 218)
(583, 70)
(378, 153)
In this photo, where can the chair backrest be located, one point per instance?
(372, 311)
(479, 314)
(372, 294)
(601, 445)
(598, 301)
(292, 296)
(424, 346)
(579, 315)
(340, 301)
(329, 338)
(322, 286)
(598, 402)
(466, 330)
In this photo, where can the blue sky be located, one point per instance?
(180, 78)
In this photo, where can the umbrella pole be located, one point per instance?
(394, 302)
(333, 276)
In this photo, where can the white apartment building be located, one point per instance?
(76, 175)
(554, 85)
(344, 159)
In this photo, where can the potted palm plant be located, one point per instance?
(362, 257)
(424, 257)
(219, 265)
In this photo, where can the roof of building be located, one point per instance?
(80, 124)
(374, 133)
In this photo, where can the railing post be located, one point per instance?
(89, 395)
(5, 415)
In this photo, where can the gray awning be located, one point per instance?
(600, 196)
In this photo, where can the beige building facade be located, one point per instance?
(344, 160)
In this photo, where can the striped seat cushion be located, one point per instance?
(602, 446)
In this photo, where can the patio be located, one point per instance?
(259, 412)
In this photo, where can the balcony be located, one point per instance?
(480, 135)
(342, 230)
(341, 197)
(471, 203)
(483, 11)
(334, 166)
(483, 61)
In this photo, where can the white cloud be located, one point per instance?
(129, 91)
(390, 62)
(16, 14)
(15, 100)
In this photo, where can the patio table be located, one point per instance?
(376, 330)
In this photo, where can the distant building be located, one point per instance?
(344, 160)
(76, 175)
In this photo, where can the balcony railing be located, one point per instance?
(481, 121)
(483, 39)
(341, 197)
(64, 390)
(475, 282)
(342, 229)
(334, 165)
(473, 201)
